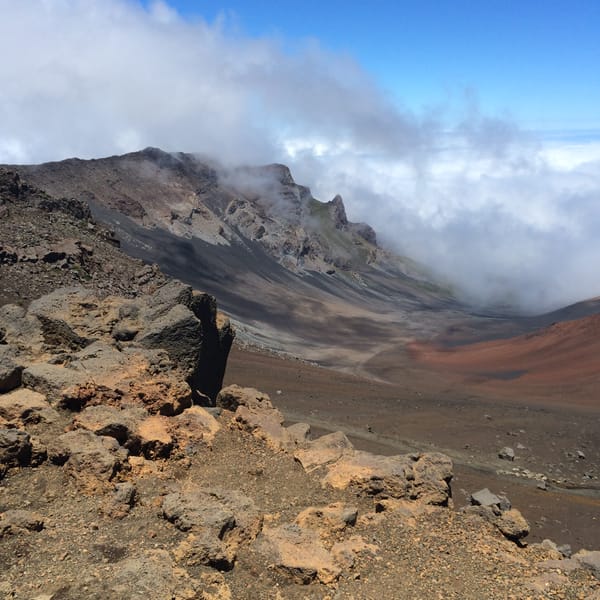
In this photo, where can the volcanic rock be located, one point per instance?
(198, 510)
(10, 371)
(422, 477)
(89, 457)
(15, 449)
(24, 406)
(299, 554)
(590, 560)
(484, 498)
(506, 453)
(325, 449)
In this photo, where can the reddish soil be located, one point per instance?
(548, 363)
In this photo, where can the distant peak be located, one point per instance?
(338, 212)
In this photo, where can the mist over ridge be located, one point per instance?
(503, 215)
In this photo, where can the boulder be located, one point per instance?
(89, 456)
(198, 510)
(121, 501)
(178, 332)
(425, 477)
(15, 449)
(164, 298)
(590, 560)
(225, 515)
(372, 474)
(166, 396)
(233, 396)
(512, 524)
(133, 429)
(21, 330)
(325, 449)
(154, 437)
(265, 424)
(58, 335)
(299, 433)
(112, 422)
(193, 428)
(298, 553)
(344, 552)
(432, 472)
(26, 406)
(255, 414)
(113, 337)
(53, 380)
(484, 498)
(506, 453)
(204, 549)
(10, 370)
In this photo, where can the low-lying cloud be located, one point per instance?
(482, 204)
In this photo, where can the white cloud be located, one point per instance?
(483, 203)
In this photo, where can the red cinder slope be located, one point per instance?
(566, 353)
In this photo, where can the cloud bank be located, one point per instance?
(482, 204)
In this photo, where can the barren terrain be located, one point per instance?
(421, 409)
(393, 363)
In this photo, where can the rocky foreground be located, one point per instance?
(117, 483)
(127, 472)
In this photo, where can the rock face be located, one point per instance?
(248, 205)
(70, 333)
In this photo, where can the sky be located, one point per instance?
(467, 133)
(537, 60)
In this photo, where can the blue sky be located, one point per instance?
(537, 61)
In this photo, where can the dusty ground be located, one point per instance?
(424, 410)
(84, 552)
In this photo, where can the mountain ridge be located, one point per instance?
(218, 205)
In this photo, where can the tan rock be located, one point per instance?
(432, 474)
(265, 424)
(326, 449)
(327, 519)
(371, 473)
(20, 521)
(194, 425)
(512, 524)
(298, 553)
(423, 477)
(154, 436)
(91, 459)
(26, 406)
(299, 433)
(232, 396)
(204, 549)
